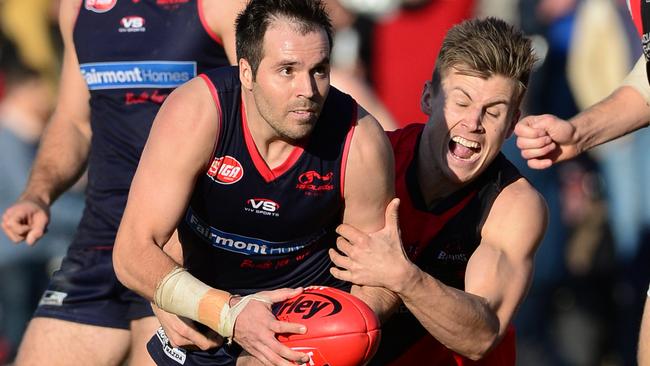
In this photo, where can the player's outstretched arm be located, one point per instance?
(546, 140)
(64, 146)
(498, 274)
(369, 186)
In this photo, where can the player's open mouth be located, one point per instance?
(463, 148)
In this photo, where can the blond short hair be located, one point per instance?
(483, 48)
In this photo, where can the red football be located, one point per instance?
(341, 329)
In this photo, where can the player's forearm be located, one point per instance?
(383, 302)
(623, 112)
(142, 266)
(60, 161)
(461, 321)
(139, 263)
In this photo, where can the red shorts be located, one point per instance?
(428, 351)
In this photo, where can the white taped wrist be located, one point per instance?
(180, 293)
(229, 314)
(648, 290)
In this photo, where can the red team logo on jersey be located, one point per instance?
(100, 6)
(314, 181)
(225, 170)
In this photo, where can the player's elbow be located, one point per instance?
(483, 341)
(481, 350)
(121, 262)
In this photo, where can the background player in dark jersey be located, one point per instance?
(470, 223)
(256, 166)
(121, 59)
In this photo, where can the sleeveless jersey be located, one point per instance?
(132, 53)
(440, 239)
(250, 228)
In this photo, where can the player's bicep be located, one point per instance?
(178, 148)
(369, 176)
(501, 268)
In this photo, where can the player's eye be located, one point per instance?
(286, 71)
(321, 71)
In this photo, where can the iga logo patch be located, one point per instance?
(100, 6)
(225, 170)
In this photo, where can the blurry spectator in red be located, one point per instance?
(405, 47)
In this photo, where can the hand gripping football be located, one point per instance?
(341, 329)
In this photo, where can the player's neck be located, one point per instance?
(272, 148)
(433, 183)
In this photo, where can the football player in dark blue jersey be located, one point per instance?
(256, 166)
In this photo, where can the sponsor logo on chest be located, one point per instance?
(313, 182)
(137, 74)
(262, 206)
(99, 6)
(131, 24)
(225, 170)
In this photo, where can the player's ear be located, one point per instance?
(246, 74)
(426, 101)
(513, 122)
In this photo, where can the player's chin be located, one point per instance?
(300, 132)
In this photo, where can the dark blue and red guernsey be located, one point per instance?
(440, 238)
(250, 228)
(132, 54)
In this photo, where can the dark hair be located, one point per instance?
(486, 47)
(252, 23)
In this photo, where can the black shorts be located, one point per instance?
(164, 354)
(85, 290)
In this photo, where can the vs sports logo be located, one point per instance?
(262, 206)
(225, 170)
(132, 24)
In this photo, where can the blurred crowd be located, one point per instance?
(592, 269)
